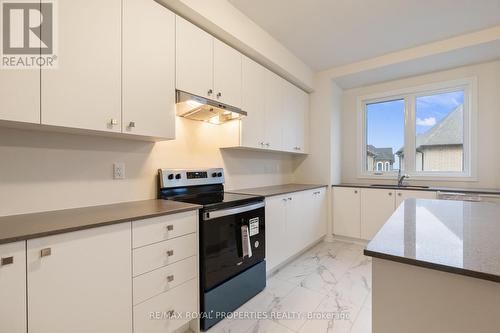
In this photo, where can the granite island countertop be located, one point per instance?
(269, 191)
(27, 226)
(451, 236)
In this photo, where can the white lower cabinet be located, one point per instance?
(276, 251)
(80, 282)
(95, 281)
(13, 287)
(293, 222)
(167, 312)
(347, 212)
(361, 212)
(165, 270)
(164, 279)
(376, 208)
(406, 194)
(157, 255)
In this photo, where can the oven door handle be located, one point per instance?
(231, 211)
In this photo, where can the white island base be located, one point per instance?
(413, 299)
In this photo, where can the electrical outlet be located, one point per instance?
(118, 170)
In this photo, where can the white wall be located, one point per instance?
(42, 171)
(488, 122)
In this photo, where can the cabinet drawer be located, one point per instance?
(157, 229)
(161, 254)
(151, 316)
(164, 279)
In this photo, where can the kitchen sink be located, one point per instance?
(402, 186)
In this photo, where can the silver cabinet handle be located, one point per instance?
(268, 144)
(219, 94)
(7, 261)
(209, 92)
(261, 143)
(290, 199)
(170, 253)
(285, 199)
(390, 193)
(355, 191)
(400, 194)
(113, 122)
(45, 252)
(131, 124)
(170, 227)
(170, 278)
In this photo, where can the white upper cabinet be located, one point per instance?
(148, 69)
(194, 59)
(277, 111)
(20, 95)
(273, 106)
(295, 118)
(253, 129)
(206, 66)
(85, 90)
(13, 287)
(227, 74)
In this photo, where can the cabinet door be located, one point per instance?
(377, 205)
(299, 224)
(193, 59)
(320, 212)
(84, 284)
(347, 212)
(253, 125)
(20, 95)
(273, 106)
(295, 105)
(148, 85)
(276, 230)
(402, 195)
(227, 74)
(85, 90)
(13, 287)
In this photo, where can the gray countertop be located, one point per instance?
(269, 191)
(431, 188)
(21, 227)
(452, 236)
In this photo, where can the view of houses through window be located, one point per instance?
(439, 134)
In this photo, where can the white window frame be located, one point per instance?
(409, 95)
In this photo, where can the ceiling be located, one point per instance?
(328, 33)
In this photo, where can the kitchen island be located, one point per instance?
(436, 268)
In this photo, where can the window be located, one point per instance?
(384, 134)
(426, 131)
(439, 140)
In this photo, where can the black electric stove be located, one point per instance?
(232, 239)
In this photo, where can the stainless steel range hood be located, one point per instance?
(203, 109)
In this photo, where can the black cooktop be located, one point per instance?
(210, 197)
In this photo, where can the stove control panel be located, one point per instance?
(190, 177)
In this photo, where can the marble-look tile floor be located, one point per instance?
(331, 280)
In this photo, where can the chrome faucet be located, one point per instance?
(401, 178)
